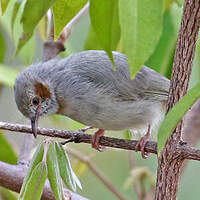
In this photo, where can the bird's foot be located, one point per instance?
(95, 140)
(142, 142)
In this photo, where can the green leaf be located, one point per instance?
(15, 12)
(92, 42)
(127, 134)
(54, 173)
(175, 115)
(35, 184)
(2, 47)
(7, 153)
(161, 58)
(7, 75)
(37, 158)
(64, 11)
(34, 10)
(105, 23)
(66, 172)
(4, 4)
(7, 194)
(141, 26)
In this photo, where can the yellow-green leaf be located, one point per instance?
(2, 47)
(105, 22)
(37, 158)
(35, 184)
(33, 12)
(54, 172)
(4, 4)
(66, 172)
(63, 12)
(7, 153)
(15, 12)
(141, 26)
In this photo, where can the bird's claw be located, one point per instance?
(141, 145)
(95, 141)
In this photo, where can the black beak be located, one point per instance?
(34, 122)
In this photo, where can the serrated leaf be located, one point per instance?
(7, 75)
(7, 153)
(141, 26)
(37, 158)
(35, 184)
(175, 115)
(66, 172)
(63, 12)
(54, 173)
(4, 4)
(105, 22)
(34, 10)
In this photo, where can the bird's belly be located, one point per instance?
(122, 116)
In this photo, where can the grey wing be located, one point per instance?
(151, 84)
(91, 72)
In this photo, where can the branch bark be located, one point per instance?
(79, 136)
(171, 160)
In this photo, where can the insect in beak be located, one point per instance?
(34, 121)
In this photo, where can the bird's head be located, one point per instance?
(34, 97)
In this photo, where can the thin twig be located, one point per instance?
(96, 171)
(79, 136)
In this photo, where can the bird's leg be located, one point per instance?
(96, 138)
(142, 142)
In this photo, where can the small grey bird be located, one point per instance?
(85, 88)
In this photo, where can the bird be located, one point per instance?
(86, 88)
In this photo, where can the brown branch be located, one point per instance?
(97, 172)
(12, 176)
(80, 136)
(171, 159)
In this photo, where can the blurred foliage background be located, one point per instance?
(114, 164)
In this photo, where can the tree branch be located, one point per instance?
(171, 159)
(80, 136)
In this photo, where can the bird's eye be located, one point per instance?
(35, 101)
